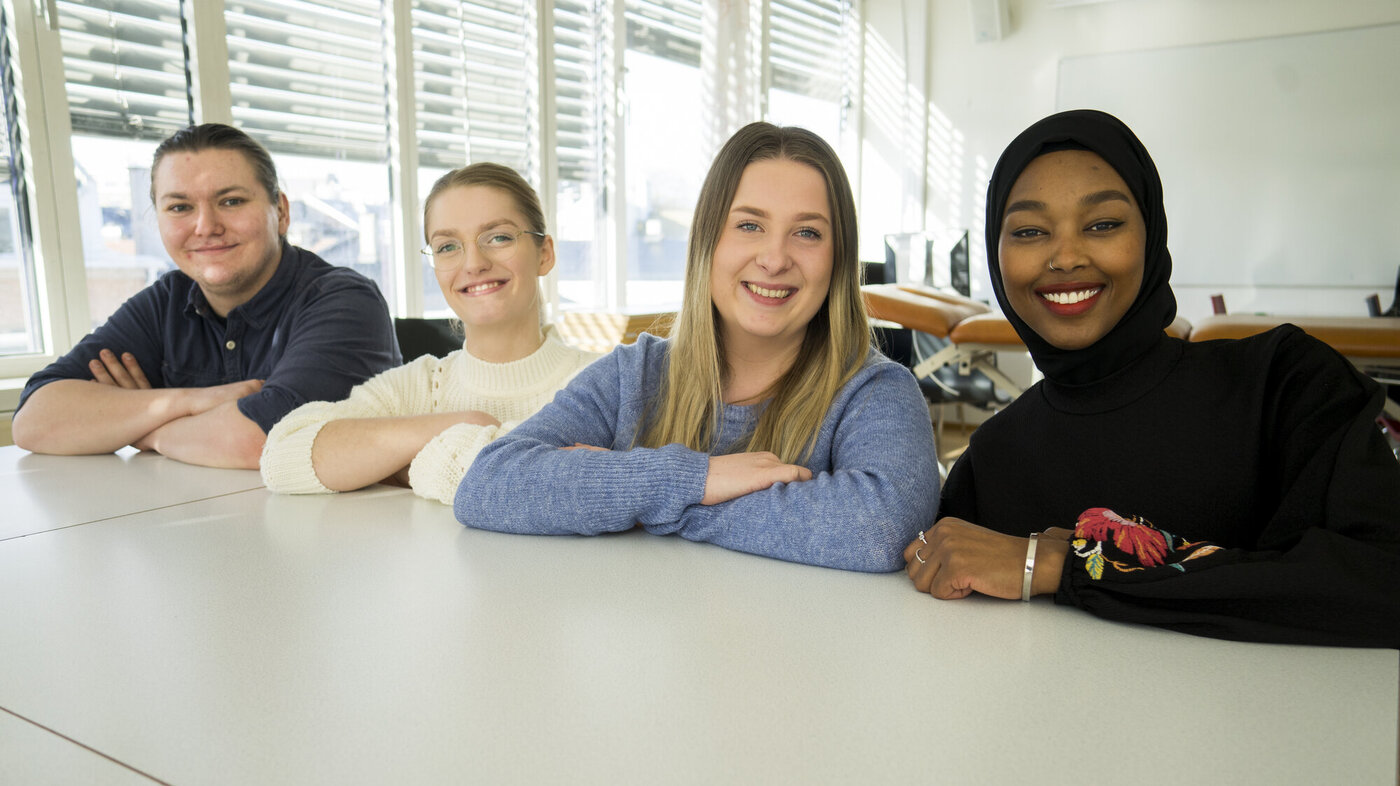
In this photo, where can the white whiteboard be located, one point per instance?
(1280, 157)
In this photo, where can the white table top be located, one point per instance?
(38, 757)
(369, 638)
(42, 493)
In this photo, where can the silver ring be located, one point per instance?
(1052, 266)
(921, 538)
(919, 557)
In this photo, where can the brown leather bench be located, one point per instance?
(1372, 338)
(976, 333)
(919, 308)
(940, 314)
(976, 338)
(995, 330)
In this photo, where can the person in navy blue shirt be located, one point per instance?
(202, 363)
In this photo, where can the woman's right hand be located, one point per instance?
(737, 474)
(955, 558)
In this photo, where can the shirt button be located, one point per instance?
(229, 345)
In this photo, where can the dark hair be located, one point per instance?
(217, 136)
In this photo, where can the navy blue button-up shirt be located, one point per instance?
(311, 333)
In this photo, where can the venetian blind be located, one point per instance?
(20, 332)
(309, 77)
(582, 33)
(665, 28)
(125, 67)
(807, 46)
(476, 83)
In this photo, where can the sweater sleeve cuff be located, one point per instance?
(286, 458)
(438, 469)
(683, 473)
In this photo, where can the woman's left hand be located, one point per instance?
(957, 558)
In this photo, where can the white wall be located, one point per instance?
(982, 95)
(892, 118)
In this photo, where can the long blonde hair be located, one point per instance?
(687, 408)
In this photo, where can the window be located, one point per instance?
(19, 305)
(307, 79)
(664, 142)
(613, 109)
(583, 103)
(476, 95)
(808, 89)
(128, 87)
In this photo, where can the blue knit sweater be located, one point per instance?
(874, 484)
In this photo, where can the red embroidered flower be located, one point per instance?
(1096, 524)
(1131, 536)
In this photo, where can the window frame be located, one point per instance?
(60, 271)
(59, 266)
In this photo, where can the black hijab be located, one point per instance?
(1141, 327)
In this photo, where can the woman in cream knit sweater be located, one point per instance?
(423, 423)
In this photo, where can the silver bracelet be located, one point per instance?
(1030, 568)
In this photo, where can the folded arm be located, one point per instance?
(860, 509)
(219, 437)
(353, 453)
(874, 479)
(526, 485)
(526, 482)
(1325, 589)
(72, 417)
(1323, 567)
(384, 430)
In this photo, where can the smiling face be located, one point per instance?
(500, 296)
(1071, 211)
(218, 223)
(772, 264)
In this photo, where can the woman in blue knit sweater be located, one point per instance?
(766, 423)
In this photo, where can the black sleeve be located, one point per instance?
(342, 336)
(959, 496)
(1326, 567)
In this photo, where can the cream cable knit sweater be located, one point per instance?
(509, 392)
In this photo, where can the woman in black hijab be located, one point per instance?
(1235, 489)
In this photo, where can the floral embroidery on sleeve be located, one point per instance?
(1108, 541)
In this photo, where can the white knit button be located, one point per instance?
(229, 345)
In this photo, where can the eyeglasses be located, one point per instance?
(497, 246)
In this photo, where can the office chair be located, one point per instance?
(418, 337)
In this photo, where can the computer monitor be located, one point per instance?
(959, 277)
(907, 258)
